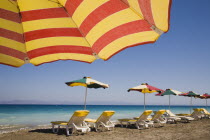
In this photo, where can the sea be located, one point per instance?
(17, 117)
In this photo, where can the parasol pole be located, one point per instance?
(169, 102)
(144, 101)
(190, 104)
(85, 98)
(206, 104)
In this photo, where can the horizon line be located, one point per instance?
(99, 104)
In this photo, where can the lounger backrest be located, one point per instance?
(194, 113)
(197, 112)
(170, 113)
(205, 111)
(144, 115)
(158, 115)
(105, 116)
(78, 117)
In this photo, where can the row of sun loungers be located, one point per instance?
(143, 121)
(79, 123)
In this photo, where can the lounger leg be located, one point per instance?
(127, 124)
(67, 131)
(99, 127)
(146, 126)
(96, 127)
(137, 126)
(121, 124)
(151, 125)
(53, 128)
(58, 128)
(87, 130)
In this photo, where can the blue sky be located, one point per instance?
(179, 60)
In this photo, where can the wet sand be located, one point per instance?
(181, 131)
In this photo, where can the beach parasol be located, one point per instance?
(190, 94)
(87, 82)
(205, 96)
(145, 88)
(43, 31)
(169, 92)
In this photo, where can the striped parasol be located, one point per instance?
(205, 96)
(42, 31)
(87, 82)
(145, 88)
(190, 94)
(169, 92)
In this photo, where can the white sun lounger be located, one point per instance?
(170, 115)
(206, 113)
(141, 122)
(76, 123)
(158, 119)
(197, 113)
(103, 122)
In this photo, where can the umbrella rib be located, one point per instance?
(14, 3)
(153, 27)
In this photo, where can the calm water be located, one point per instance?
(34, 115)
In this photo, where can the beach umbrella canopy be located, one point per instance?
(169, 92)
(87, 82)
(190, 94)
(159, 94)
(145, 88)
(205, 96)
(43, 31)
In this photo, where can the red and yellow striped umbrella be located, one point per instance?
(205, 96)
(145, 88)
(41, 31)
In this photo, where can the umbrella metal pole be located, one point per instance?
(206, 104)
(169, 102)
(190, 105)
(85, 98)
(144, 101)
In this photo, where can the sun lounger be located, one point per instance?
(197, 114)
(103, 122)
(158, 119)
(206, 113)
(140, 122)
(76, 123)
(172, 117)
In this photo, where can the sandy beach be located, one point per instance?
(181, 131)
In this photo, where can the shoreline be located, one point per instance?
(189, 131)
(4, 129)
